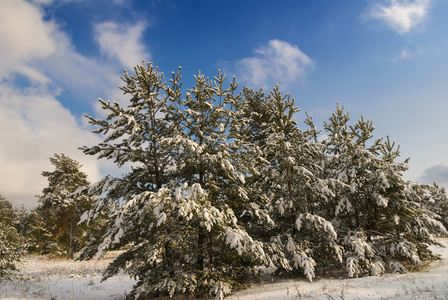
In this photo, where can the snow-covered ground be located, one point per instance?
(61, 279)
(431, 283)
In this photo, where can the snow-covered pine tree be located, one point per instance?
(251, 119)
(134, 136)
(214, 158)
(175, 211)
(437, 202)
(12, 244)
(379, 218)
(286, 182)
(23, 221)
(59, 210)
(42, 235)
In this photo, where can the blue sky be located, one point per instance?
(386, 60)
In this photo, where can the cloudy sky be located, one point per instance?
(386, 60)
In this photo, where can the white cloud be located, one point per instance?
(34, 123)
(407, 53)
(403, 55)
(437, 173)
(24, 38)
(400, 15)
(48, 2)
(34, 127)
(277, 62)
(38, 50)
(122, 42)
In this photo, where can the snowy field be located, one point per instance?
(61, 279)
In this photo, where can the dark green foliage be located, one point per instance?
(286, 180)
(222, 183)
(436, 201)
(53, 226)
(177, 210)
(11, 242)
(379, 218)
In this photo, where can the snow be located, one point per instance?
(44, 278)
(62, 279)
(431, 283)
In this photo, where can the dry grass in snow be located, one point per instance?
(44, 278)
(431, 282)
(61, 279)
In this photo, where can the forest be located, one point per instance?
(223, 185)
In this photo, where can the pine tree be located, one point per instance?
(176, 210)
(55, 219)
(251, 118)
(11, 242)
(23, 221)
(379, 218)
(222, 183)
(41, 235)
(212, 159)
(437, 202)
(287, 177)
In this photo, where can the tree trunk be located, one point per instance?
(71, 241)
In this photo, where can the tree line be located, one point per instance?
(224, 182)
(52, 227)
